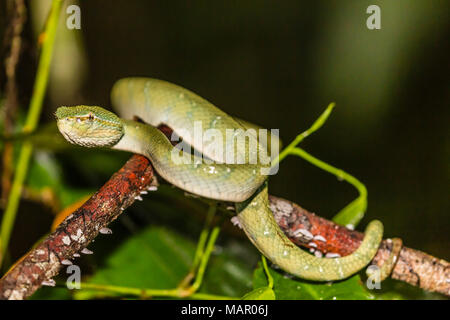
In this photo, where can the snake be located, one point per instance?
(142, 104)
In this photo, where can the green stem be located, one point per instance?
(202, 268)
(339, 173)
(40, 84)
(204, 236)
(200, 245)
(171, 293)
(266, 269)
(344, 216)
(180, 292)
(315, 126)
(354, 211)
(31, 122)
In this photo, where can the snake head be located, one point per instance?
(89, 126)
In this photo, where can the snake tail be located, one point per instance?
(262, 229)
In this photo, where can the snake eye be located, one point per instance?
(91, 116)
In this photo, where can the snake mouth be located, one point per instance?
(89, 126)
(89, 135)
(73, 134)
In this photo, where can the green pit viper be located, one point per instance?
(159, 102)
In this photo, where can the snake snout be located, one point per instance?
(89, 126)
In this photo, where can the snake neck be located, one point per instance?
(142, 139)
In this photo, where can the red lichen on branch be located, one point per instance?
(323, 236)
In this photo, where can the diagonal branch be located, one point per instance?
(76, 232)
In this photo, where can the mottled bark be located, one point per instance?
(308, 230)
(77, 230)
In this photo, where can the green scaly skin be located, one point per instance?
(156, 102)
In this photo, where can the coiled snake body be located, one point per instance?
(155, 102)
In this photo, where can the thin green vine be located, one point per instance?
(31, 122)
(267, 271)
(354, 211)
(149, 293)
(315, 126)
(203, 252)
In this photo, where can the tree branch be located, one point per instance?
(308, 230)
(304, 228)
(77, 230)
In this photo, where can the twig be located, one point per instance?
(79, 229)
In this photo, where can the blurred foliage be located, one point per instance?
(158, 258)
(286, 288)
(276, 64)
(66, 79)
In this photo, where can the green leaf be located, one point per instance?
(352, 213)
(51, 293)
(46, 174)
(264, 293)
(287, 288)
(157, 258)
(227, 275)
(396, 290)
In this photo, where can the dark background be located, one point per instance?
(279, 64)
